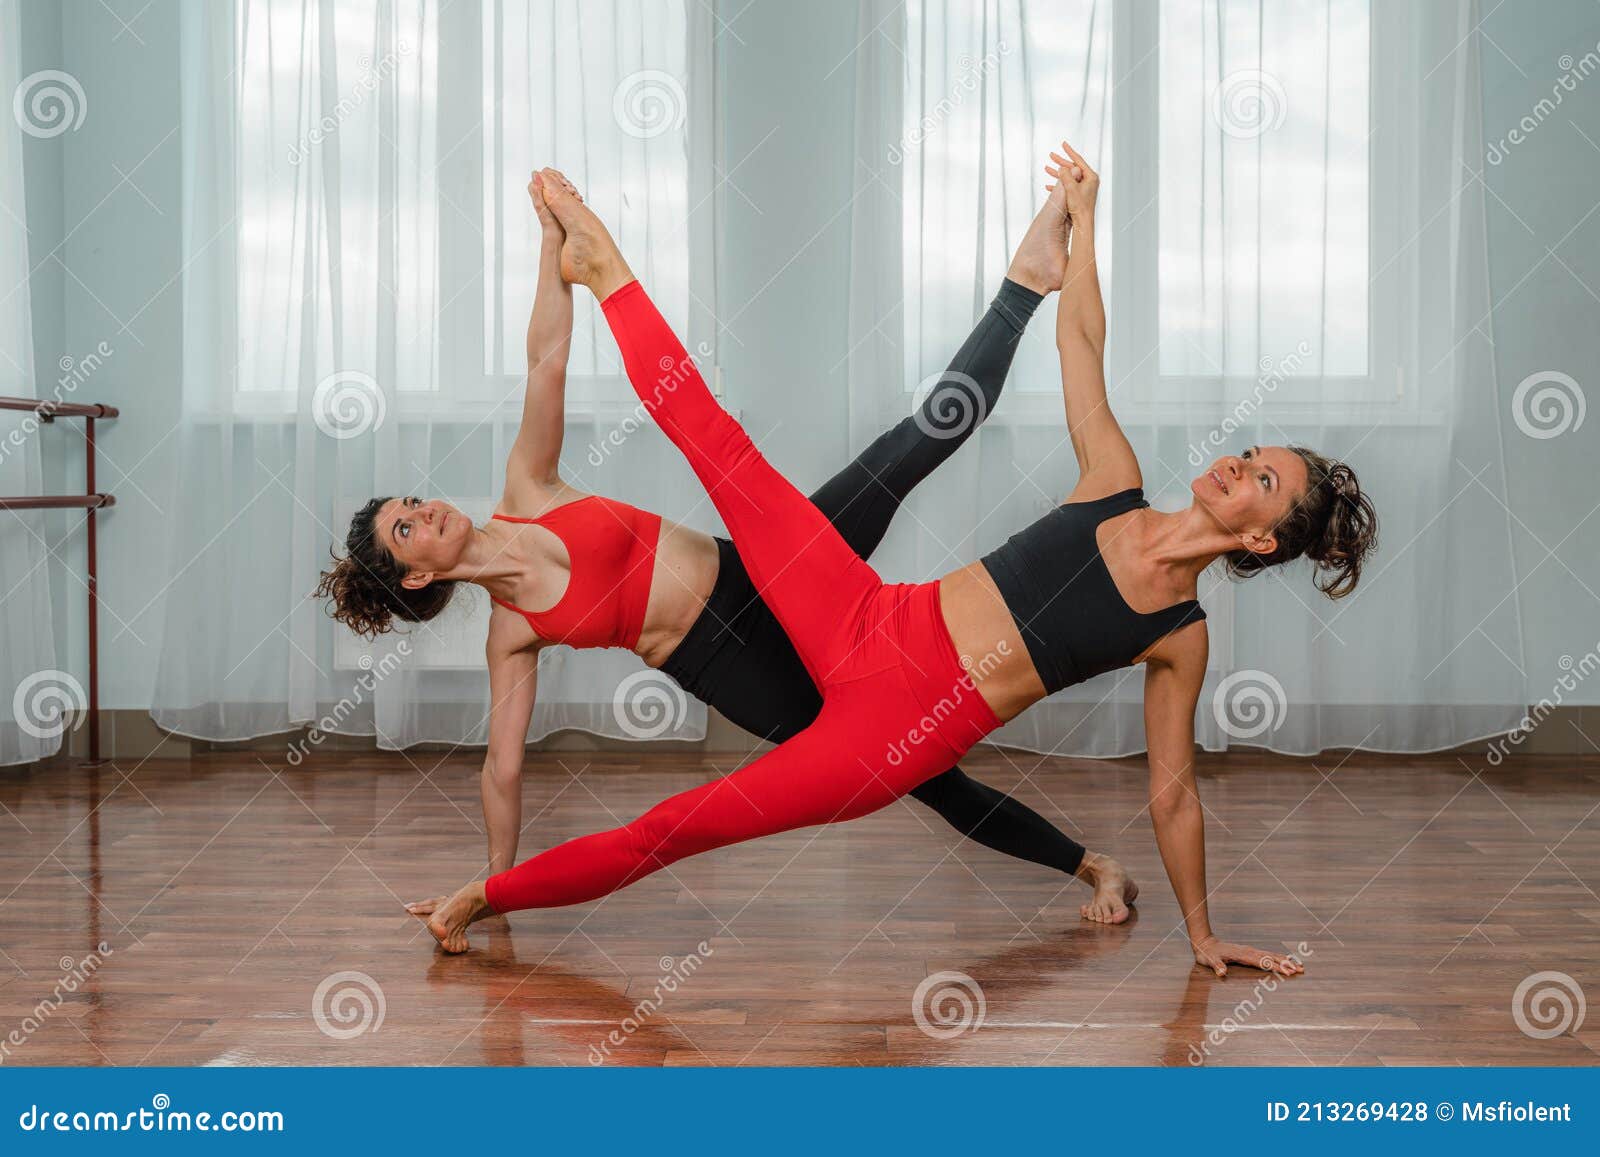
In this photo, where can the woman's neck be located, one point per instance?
(490, 560)
(1187, 541)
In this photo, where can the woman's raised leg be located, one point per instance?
(863, 497)
(805, 572)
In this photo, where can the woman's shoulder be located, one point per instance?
(510, 636)
(1185, 650)
(527, 500)
(1109, 482)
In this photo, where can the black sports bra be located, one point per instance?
(1064, 601)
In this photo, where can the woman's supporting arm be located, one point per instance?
(1106, 462)
(536, 454)
(513, 686)
(1171, 690)
(1170, 693)
(513, 683)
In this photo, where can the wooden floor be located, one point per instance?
(227, 891)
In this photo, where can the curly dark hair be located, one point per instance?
(365, 584)
(1333, 523)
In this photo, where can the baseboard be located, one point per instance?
(132, 734)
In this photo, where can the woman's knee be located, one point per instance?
(671, 830)
(651, 833)
(935, 792)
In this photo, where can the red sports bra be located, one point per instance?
(612, 547)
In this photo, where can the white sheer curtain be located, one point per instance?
(359, 262)
(33, 690)
(1294, 251)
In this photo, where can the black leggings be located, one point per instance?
(737, 658)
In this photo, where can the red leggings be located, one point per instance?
(897, 706)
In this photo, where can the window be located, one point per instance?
(1249, 217)
(598, 91)
(1264, 187)
(383, 151)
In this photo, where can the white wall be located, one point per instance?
(788, 75)
(109, 245)
(1547, 315)
(784, 250)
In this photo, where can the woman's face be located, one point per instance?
(425, 537)
(1248, 494)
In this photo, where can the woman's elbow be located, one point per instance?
(1078, 337)
(1173, 806)
(501, 771)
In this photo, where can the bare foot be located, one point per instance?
(589, 256)
(547, 219)
(422, 909)
(448, 919)
(1040, 262)
(1114, 889)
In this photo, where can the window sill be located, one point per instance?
(1040, 408)
(437, 413)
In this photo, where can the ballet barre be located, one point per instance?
(91, 500)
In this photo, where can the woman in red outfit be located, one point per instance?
(913, 675)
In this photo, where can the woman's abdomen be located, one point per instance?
(986, 638)
(685, 572)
